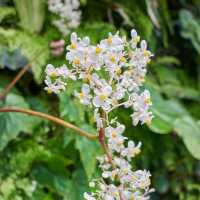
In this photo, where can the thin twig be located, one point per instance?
(18, 77)
(53, 119)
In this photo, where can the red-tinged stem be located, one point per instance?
(103, 144)
(18, 77)
(53, 119)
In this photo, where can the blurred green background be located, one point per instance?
(41, 161)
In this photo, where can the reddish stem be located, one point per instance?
(51, 118)
(18, 77)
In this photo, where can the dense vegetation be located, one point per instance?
(42, 161)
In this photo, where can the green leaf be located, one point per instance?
(165, 113)
(6, 12)
(190, 28)
(189, 130)
(101, 29)
(76, 186)
(50, 179)
(70, 109)
(11, 124)
(34, 48)
(31, 14)
(167, 60)
(88, 150)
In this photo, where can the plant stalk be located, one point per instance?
(53, 119)
(18, 77)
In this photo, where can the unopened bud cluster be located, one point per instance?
(112, 73)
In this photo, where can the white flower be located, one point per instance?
(112, 133)
(51, 71)
(92, 184)
(141, 105)
(142, 179)
(98, 119)
(131, 151)
(54, 87)
(102, 97)
(84, 95)
(64, 72)
(88, 197)
(113, 43)
(135, 38)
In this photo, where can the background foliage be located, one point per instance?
(41, 161)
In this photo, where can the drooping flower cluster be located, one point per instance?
(68, 12)
(112, 73)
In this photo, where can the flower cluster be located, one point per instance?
(119, 181)
(112, 73)
(69, 15)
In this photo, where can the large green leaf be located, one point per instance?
(190, 28)
(31, 14)
(6, 12)
(88, 150)
(34, 48)
(189, 130)
(50, 179)
(165, 113)
(70, 109)
(76, 186)
(11, 124)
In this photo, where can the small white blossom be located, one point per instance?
(131, 151)
(102, 97)
(84, 95)
(88, 196)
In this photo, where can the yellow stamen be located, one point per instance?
(141, 78)
(49, 91)
(118, 71)
(147, 101)
(98, 50)
(116, 194)
(77, 61)
(73, 45)
(148, 121)
(146, 53)
(89, 77)
(112, 59)
(103, 97)
(109, 40)
(81, 95)
(123, 59)
(53, 75)
(137, 39)
(114, 134)
(136, 151)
